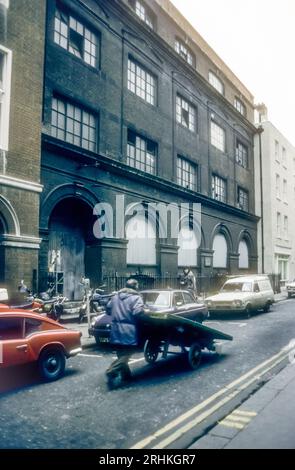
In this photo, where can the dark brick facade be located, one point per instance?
(22, 36)
(68, 172)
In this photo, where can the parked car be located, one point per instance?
(27, 337)
(290, 288)
(179, 302)
(243, 294)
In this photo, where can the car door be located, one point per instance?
(190, 307)
(13, 345)
(178, 302)
(257, 296)
(35, 341)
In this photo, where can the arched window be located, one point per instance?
(188, 246)
(141, 235)
(244, 255)
(220, 251)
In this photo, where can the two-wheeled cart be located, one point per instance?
(160, 331)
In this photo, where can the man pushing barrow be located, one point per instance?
(134, 328)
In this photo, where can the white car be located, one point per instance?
(290, 287)
(243, 294)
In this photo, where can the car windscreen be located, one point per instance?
(237, 287)
(159, 299)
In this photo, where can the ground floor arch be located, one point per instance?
(70, 241)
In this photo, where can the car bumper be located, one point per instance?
(103, 335)
(74, 352)
(223, 310)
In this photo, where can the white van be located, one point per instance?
(243, 294)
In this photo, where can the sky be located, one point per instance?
(256, 39)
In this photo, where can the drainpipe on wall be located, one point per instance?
(259, 132)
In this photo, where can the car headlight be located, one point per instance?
(208, 303)
(237, 303)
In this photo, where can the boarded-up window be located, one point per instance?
(188, 245)
(244, 255)
(141, 235)
(220, 251)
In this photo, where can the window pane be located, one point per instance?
(242, 155)
(217, 136)
(66, 124)
(218, 188)
(185, 114)
(72, 35)
(141, 153)
(11, 328)
(216, 82)
(186, 174)
(141, 82)
(184, 52)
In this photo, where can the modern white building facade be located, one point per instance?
(275, 199)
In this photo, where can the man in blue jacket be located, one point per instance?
(124, 307)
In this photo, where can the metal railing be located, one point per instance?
(206, 284)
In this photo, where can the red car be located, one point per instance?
(26, 337)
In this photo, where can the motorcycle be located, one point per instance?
(98, 300)
(45, 303)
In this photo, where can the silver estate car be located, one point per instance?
(243, 294)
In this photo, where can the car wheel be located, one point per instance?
(289, 295)
(194, 355)
(267, 307)
(51, 364)
(151, 351)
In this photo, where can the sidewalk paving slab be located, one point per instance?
(272, 427)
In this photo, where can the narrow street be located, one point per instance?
(79, 411)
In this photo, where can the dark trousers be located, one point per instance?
(120, 364)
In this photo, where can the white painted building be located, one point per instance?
(275, 154)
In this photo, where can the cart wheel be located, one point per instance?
(194, 355)
(151, 351)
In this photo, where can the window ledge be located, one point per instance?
(96, 70)
(142, 100)
(187, 129)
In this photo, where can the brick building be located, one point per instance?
(22, 27)
(136, 103)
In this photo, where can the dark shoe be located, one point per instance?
(114, 379)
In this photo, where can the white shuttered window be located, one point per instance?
(220, 251)
(141, 236)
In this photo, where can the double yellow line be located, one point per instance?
(178, 427)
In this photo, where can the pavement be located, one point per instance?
(264, 421)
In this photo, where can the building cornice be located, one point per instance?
(20, 184)
(14, 241)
